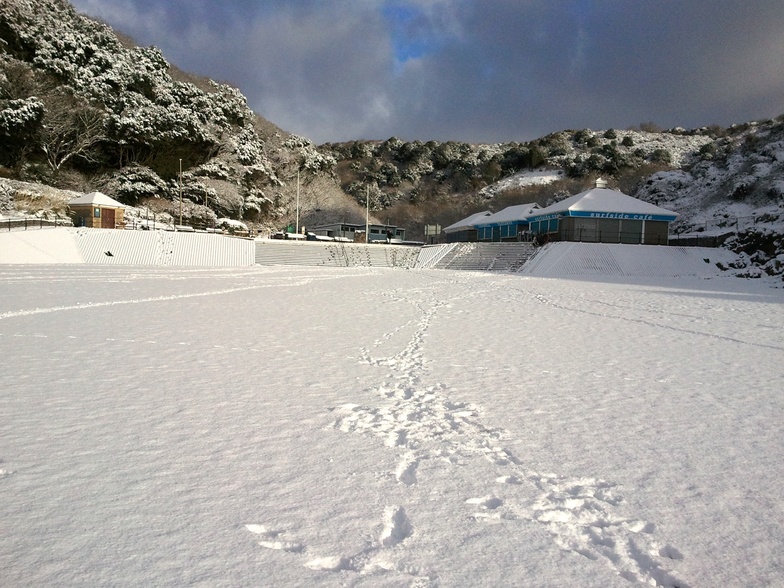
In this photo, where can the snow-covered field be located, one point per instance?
(365, 427)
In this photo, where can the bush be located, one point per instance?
(660, 156)
(582, 136)
(708, 151)
(650, 127)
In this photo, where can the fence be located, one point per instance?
(152, 222)
(24, 224)
(698, 240)
(714, 232)
(727, 224)
(598, 236)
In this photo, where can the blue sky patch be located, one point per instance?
(411, 34)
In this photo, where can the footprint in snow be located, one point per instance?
(396, 529)
(405, 473)
(272, 539)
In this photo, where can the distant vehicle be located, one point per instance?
(284, 235)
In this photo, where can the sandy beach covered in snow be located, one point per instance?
(376, 427)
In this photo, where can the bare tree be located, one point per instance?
(71, 128)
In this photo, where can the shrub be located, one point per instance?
(650, 127)
(708, 150)
(582, 136)
(660, 156)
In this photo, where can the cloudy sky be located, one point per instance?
(474, 70)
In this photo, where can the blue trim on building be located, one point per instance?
(593, 214)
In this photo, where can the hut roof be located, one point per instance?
(96, 199)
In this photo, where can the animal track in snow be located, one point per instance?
(330, 564)
(486, 502)
(579, 515)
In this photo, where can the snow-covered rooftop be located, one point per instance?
(96, 198)
(467, 222)
(518, 212)
(604, 200)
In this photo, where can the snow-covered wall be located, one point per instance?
(601, 259)
(96, 246)
(163, 248)
(55, 245)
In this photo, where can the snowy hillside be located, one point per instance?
(83, 108)
(740, 177)
(737, 186)
(521, 180)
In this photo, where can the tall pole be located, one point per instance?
(367, 214)
(180, 183)
(297, 229)
(206, 205)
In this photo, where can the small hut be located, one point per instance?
(98, 211)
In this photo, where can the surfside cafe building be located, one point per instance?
(601, 215)
(598, 215)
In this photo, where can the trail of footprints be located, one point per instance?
(374, 558)
(423, 424)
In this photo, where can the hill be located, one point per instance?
(84, 108)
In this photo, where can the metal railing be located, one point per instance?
(152, 223)
(30, 223)
(598, 236)
(728, 223)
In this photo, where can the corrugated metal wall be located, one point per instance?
(334, 254)
(163, 248)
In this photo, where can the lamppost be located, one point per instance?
(367, 214)
(297, 223)
(180, 183)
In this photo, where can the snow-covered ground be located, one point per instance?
(522, 179)
(168, 426)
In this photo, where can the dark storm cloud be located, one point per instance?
(471, 70)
